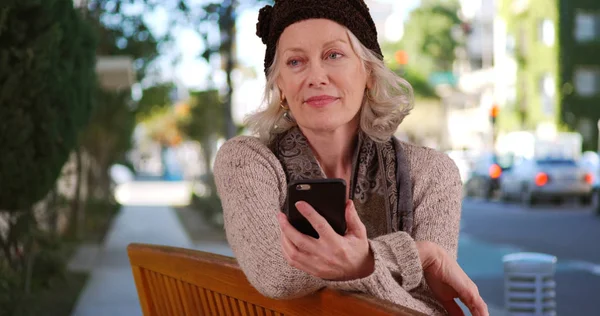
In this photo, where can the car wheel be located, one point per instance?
(504, 197)
(586, 200)
(488, 192)
(468, 188)
(557, 201)
(527, 198)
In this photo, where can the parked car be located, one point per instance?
(555, 178)
(485, 175)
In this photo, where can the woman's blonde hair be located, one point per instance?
(384, 106)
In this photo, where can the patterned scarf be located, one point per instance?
(379, 186)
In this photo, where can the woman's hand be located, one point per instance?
(331, 257)
(447, 280)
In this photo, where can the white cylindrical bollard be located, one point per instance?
(529, 286)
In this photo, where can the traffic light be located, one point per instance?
(494, 113)
(401, 57)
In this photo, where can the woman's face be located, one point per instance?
(320, 76)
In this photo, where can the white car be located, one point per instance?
(533, 179)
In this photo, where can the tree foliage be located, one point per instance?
(431, 36)
(107, 139)
(47, 82)
(47, 77)
(219, 17)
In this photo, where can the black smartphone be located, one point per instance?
(326, 196)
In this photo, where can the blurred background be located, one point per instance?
(112, 111)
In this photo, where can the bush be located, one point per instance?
(47, 75)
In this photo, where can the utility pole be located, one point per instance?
(493, 117)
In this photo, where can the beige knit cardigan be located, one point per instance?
(252, 186)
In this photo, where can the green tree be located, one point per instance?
(204, 123)
(154, 98)
(47, 77)
(108, 137)
(47, 80)
(219, 17)
(431, 36)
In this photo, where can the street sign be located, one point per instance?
(445, 77)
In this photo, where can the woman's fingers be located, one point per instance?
(301, 241)
(452, 308)
(474, 302)
(297, 258)
(318, 222)
(353, 223)
(469, 294)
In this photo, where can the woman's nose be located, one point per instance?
(317, 75)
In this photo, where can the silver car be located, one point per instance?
(533, 179)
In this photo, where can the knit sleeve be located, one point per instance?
(251, 194)
(437, 194)
(383, 284)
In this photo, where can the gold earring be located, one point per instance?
(283, 106)
(368, 94)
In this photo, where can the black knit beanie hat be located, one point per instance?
(353, 14)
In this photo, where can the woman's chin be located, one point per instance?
(323, 125)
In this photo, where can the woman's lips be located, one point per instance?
(320, 101)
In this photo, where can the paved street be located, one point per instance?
(570, 232)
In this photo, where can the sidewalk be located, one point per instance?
(110, 289)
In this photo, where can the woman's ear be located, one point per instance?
(370, 80)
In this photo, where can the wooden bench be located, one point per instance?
(177, 281)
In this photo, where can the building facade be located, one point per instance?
(547, 73)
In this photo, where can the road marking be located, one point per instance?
(480, 259)
(590, 267)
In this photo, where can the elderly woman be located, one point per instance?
(332, 110)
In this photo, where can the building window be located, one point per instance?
(546, 32)
(587, 27)
(510, 45)
(547, 94)
(587, 82)
(522, 40)
(511, 94)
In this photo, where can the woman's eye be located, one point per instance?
(335, 55)
(294, 62)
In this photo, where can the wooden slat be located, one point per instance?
(233, 304)
(209, 274)
(177, 305)
(151, 292)
(243, 308)
(219, 304)
(169, 299)
(251, 309)
(204, 300)
(226, 306)
(193, 292)
(142, 286)
(171, 302)
(158, 294)
(210, 296)
(184, 297)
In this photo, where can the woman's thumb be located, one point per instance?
(353, 222)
